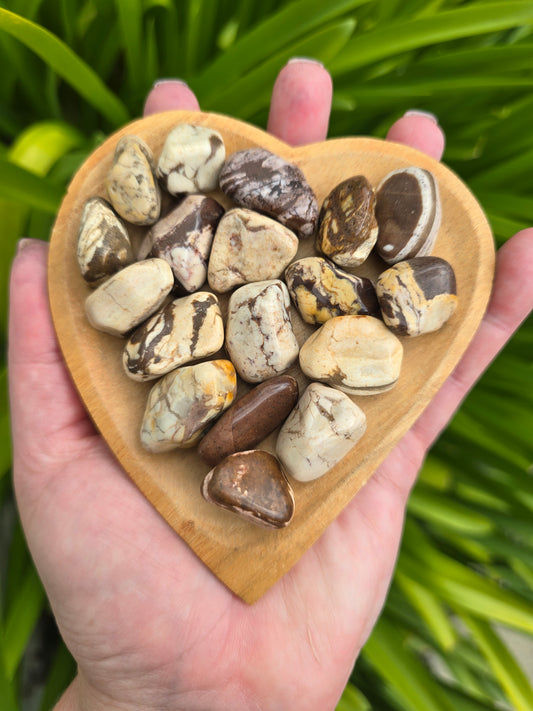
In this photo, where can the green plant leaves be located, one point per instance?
(425, 31)
(67, 64)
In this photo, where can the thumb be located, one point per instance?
(45, 407)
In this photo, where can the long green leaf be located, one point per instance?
(459, 585)
(509, 674)
(243, 97)
(411, 681)
(7, 687)
(130, 16)
(42, 144)
(446, 511)
(426, 31)
(352, 700)
(28, 189)
(294, 21)
(430, 609)
(59, 57)
(21, 621)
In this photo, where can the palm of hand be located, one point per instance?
(149, 625)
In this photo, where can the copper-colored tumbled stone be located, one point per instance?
(252, 485)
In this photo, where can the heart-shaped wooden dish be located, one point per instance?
(247, 558)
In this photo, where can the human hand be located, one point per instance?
(147, 622)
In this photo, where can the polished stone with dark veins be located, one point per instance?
(131, 183)
(184, 237)
(259, 336)
(347, 229)
(260, 180)
(187, 329)
(250, 419)
(252, 485)
(183, 403)
(356, 354)
(408, 211)
(248, 247)
(320, 431)
(320, 291)
(191, 159)
(417, 295)
(104, 245)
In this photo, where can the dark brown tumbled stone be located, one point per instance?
(347, 228)
(417, 295)
(252, 418)
(260, 180)
(252, 485)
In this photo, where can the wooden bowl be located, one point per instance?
(247, 558)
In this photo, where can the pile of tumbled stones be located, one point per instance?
(164, 302)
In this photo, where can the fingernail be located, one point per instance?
(425, 114)
(24, 243)
(309, 60)
(158, 82)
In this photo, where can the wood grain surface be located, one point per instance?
(247, 558)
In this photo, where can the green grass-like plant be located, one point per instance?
(75, 70)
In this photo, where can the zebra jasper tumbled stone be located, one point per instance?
(417, 295)
(321, 291)
(187, 329)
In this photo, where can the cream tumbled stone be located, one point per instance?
(191, 159)
(187, 329)
(248, 247)
(131, 184)
(319, 432)
(182, 404)
(259, 335)
(103, 246)
(129, 297)
(356, 354)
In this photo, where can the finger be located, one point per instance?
(419, 130)
(170, 94)
(510, 304)
(301, 102)
(43, 398)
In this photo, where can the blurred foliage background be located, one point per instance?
(75, 70)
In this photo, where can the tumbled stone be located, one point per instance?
(131, 184)
(184, 237)
(187, 329)
(252, 485)
(347, 227)
(262, 181)
(183, 403)
(321, 291)
(104, 245)
(408, 211)
(259, 336)
(320, 431)
(191, 159)
(250, 419)
(418, 295)
(130, 296)
(356, 354)
(248, 247)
